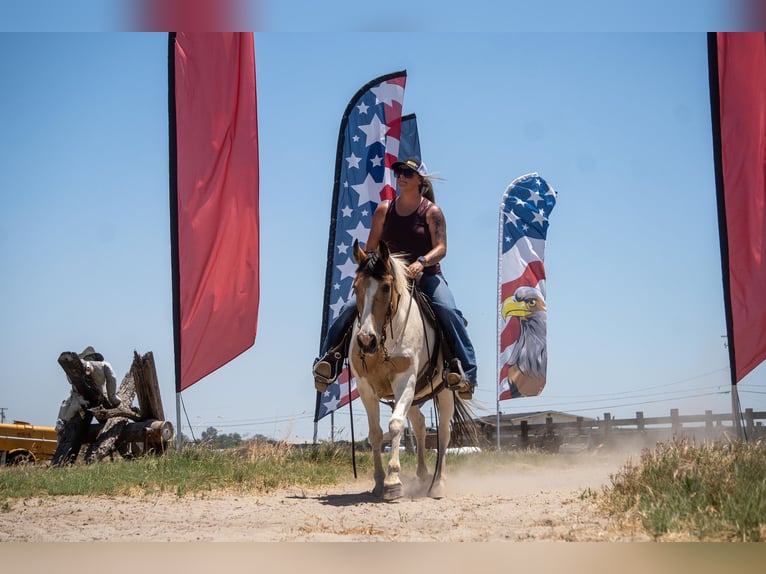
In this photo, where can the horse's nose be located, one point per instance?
(367, 341)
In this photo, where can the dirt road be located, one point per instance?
(550, 501)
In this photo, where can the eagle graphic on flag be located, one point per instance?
(522, 318)
(373, 135)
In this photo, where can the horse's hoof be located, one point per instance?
(392, 492)
(438, 491)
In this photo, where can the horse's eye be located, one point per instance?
(386, 288)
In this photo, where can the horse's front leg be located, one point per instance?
(403, 393)
(370, 402)
(419, 428)
(445, 403)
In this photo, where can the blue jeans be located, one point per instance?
(449, 316)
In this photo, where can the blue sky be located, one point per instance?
(617, 123)
(397, 15)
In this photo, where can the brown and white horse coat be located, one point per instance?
(390, 346)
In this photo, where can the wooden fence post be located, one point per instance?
(607, 427)
(675, 425)
(640, 421)
(749, 424)
(524, 434)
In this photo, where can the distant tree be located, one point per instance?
(209, 435)
(212, 438)
(228, 440)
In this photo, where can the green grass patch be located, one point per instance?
(255, 468)
(251, 468)
(713, 491)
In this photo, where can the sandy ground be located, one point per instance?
(550, 502)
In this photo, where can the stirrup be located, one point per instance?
(325, 372)
(455, 377)
(322, 374)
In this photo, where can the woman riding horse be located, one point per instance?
(413, 225)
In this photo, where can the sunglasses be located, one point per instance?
(406, 172)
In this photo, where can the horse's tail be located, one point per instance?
(465, 431)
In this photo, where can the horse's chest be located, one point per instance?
(379, 372)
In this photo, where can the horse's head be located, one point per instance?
(379, 283)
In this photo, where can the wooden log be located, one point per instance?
(127, 389)
(106, 440)
(70, 440)
(147, 387)
(153, 429)
(122, 435)
(103, 414)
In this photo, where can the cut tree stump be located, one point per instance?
(147, 388)
(126, 429)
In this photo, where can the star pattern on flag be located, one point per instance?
(375, 131)
(526, 211)
(369, 190)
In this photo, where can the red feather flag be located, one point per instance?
(214, 199)
(738, 94)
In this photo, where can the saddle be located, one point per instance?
(424, 384)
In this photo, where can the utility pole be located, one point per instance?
(2, 414)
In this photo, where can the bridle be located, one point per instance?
(388, 319)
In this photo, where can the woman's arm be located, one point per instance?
(376, 230)
(437, 227)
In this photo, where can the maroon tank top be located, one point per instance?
(409, 234)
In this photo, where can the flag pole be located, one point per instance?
(497, 321)
(173, 188)
(723, 232)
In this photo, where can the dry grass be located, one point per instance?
(684, 491)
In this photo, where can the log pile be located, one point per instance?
(128, 430)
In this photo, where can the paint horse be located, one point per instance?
(391, 346)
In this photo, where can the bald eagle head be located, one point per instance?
(529, 353)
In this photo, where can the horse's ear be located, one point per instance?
(359, 254)
(383, 250)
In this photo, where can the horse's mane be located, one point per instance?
(374, 267)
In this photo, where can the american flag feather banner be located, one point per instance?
(522, 320)
(370, 141)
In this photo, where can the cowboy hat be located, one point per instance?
(90, 354)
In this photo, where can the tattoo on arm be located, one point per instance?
(439, 227)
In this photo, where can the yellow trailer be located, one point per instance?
(21, 442)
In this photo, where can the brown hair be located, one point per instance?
(427, 188)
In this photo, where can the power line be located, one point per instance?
(644, 389)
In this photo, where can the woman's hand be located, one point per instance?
(414, 269)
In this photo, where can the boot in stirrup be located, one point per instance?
(456, 380)
(326, 370)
